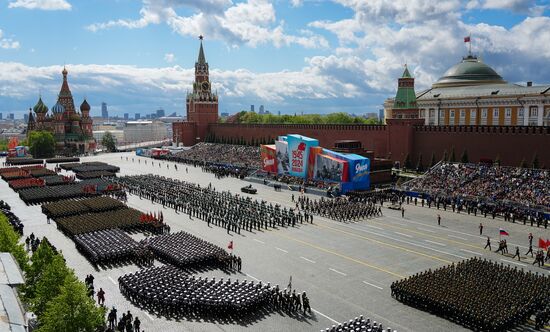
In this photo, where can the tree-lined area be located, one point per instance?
(51, 290)
(332, 118)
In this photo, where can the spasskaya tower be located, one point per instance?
(202, 103)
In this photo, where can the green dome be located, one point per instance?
(470, 71)
(40, 107)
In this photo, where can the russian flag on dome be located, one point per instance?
(503, 232)
(467, 39)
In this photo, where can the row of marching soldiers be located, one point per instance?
(290, 302)
(341, 208)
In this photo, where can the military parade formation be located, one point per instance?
(479, 294)
(220, 208)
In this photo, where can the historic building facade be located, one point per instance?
(72, 130)
(471, 93)
(201, 105)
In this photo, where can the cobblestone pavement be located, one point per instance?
(345, 268)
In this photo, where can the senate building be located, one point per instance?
(472, 93)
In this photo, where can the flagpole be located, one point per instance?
(470, 37)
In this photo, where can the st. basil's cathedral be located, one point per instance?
(72, 130)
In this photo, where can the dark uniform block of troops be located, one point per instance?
(341, 208)
(170, 292)
(185, 250)
(94, 175)
(359, 324)
(86, 188)
(126, 218)
(111, 246)
(478, 294)
(62, 160)
(55, 180)
(221, 208)
(22, 161)
(95, 168)
(71, 207)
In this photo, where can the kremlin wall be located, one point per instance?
(407, 131)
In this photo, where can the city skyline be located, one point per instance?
(310, 56)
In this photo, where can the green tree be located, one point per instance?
(433, 162)
(41, 144)
(40, 260)
(72, 310)
(407, 164)
(419, 164)
(108, 141)
(453, 156)
(9, 242)
(49, 285)
(3, 145)
(464, 157)
(535, 162)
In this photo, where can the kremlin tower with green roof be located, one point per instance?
(404, 105)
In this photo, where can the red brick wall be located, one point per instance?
(511, 144)
(184, 132)
(372, 137)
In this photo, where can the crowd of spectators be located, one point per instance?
(509, 191)
(221, 159)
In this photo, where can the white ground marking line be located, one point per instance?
(248, 275)
(309, 260)
(458, 237)
(472, 252)
(342, 273)
(512, 262)
(286, 252)
(375, 227)
(407, 235)
(368, 283)
(327, 317)
(259, 241)
(150, 317)
(403, 241)
(112, 280)
(439, 244)
(426, 230)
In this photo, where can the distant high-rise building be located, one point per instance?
(104, 112)
(126, 116)
(137, 116)
(251, 108)
(173, 114)
(279, 113)
(381, 115)
(11, 116)
(262, 109)
(1, 116)
(160, 113)
(26, 118)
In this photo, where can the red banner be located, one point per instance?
(269, 158)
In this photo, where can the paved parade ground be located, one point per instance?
(346, 269)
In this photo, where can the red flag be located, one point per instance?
(230, 245)
(543, 244)
(467, 39)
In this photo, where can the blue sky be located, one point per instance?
(315, 56)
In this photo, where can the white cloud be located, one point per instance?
(252, 22)
(8, 43)
(41, 4)
(169, 57)
(296, 3)
(517, 6)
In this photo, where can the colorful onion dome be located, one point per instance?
(40, 107)
(58, 108)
